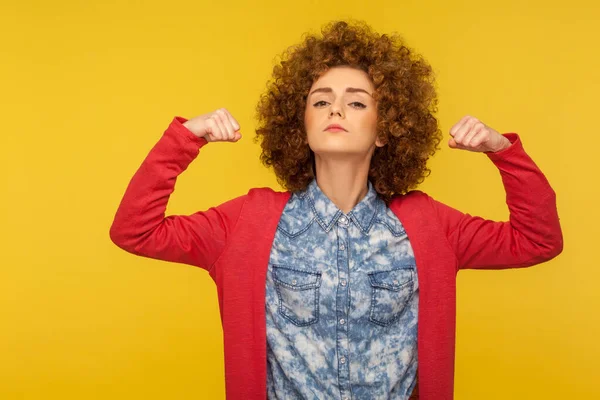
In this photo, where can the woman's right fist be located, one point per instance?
(217, 126)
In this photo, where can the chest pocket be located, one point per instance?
(298, 294)
(390, 292)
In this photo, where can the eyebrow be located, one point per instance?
(348, 90)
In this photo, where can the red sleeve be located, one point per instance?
(140, 226)
(533, 233)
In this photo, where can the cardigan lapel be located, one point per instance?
(437, 285)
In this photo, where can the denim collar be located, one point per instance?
(327, 213)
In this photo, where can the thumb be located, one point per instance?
(452, 143)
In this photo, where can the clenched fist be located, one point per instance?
(471, 134)
(217, 126)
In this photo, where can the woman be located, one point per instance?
(343, 286)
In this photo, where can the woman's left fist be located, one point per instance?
(471, 134)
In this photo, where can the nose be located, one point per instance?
(336, 109)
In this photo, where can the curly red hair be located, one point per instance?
(404, 92)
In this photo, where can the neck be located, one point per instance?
(343, 181)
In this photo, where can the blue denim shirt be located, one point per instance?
(341, 302)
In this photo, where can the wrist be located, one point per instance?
(505, 144)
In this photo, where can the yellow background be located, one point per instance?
(87, 88)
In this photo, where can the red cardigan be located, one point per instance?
(232, 241)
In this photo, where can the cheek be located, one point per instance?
(368, 122)
(309, 118)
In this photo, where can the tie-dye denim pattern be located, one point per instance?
(341, 302)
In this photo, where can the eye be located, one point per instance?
(358, 104)
(319, 103)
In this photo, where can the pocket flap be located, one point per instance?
(295, 278)
(393, 279)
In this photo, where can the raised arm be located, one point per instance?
(533, 233)
(140, 225)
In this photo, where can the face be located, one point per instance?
(342, 96)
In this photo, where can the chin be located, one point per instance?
(339, 149)
(337, 144)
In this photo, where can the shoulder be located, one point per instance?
(412, 198)
(416, 204)
(266, 196)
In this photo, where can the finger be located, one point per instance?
(459, 124)
(214, 128)
(481, 139)
(224, 133)
(476, 131)
(453, 145)
(222, 117)
(234, 123)
(463, 131)
(230, 126)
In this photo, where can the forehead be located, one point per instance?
(342, 77)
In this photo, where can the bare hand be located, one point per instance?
(471, 134)
(216, 126)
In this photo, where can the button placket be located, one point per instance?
(342, 304)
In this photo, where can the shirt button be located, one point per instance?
(343, 360)
(342, 321)
(395, 281)
(345, 398)
(343, 219)
(294, 282)
(343, 282)
(342, 247)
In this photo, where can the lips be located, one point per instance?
(335, 128)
